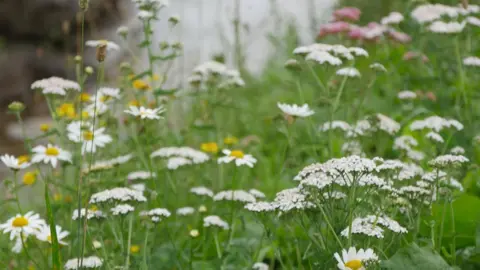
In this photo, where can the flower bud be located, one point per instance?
(89, 70)
(292, 64)
(16, 107)
(194, 233)
(78, 59)
(83, 4)
(164, 45)
(177, 45)
(122, 31)
(174, 20)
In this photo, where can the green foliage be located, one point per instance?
(415, 257)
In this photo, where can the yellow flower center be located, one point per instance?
(57, 197)
(93, 208)
(134, 249)
(85, 115)
(29, 178)
(49, 238)
(84, 97)
(44, 127)
(237, 154)
(230, 140)
(209, 147)
(88, 136)
(66, 110)
(52, 151)
(354, 264)
(23, 159)
(140, 85)
(20, 222)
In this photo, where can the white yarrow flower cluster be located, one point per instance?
(436, 124)
(435, 137)
(194, 155)
(55, 85)
(447, 27)
(261, 207)
(87, 262)
(121, 194)
(216, 73)
(185, 211)
(448, 160)
(215, 221)
(472, 61)
(202, 191)
(348, 72)
(89, 213)
(392, 18)
(370, 226)
(141, 175)
(296, 110)
(122, 209)
(407, 95)
(156, 214)
(234, 195)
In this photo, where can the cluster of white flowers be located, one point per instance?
(348, 72)
(261, 207)
(296, 110)
(472, 61)
(187, 153)
(156, 214)
(122, 209)
(457, 150)
(365, 126)
(392, 18)
(331, 54)
(202, 191)
(121, 194)
(55, 85)
(185, 211)
(87, 262)
(447, 27)
(435, 137)
(378, 67)
(448, 160)
(407, 95)
(370, 226)
(234, 195)
(141, 175)
(215, 221)
(431, 12)
(106, 164)
(216, 73)
(90, 213)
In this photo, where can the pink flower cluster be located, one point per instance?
(373, 31)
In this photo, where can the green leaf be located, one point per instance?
(415, 257)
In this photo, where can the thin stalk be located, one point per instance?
(129, 242)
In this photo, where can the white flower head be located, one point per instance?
(55, 85)
(322, 57)
(215, 221)
(238, 156)
(174, 163)
(435, 137)
(145, 113)
(431, 12)
(457, 150)
(353, 259)
(121, 194)
(447, 27)
(44, 234)
(436, 124)
(473, 21)
(472, 61)
(260, 266)
(141, 175)
(14, 163)
(348, 72)
(407, 95)
(28, 224)
(185, 211)
(138, 187)
(50, 154)
(292, 199)
(405, 142)
(111, 46)
(90, 262)
(257, 193)
(296, 110)
(90, 137)
(392, 18)
(387, 124)
(261, 207)
(122, 209)
(202, 191)
(197, 157)
(122, 30)
(448, 160)
(234, 195)
(89, 213)
(156, 214)
(342, 125)
(378, 67)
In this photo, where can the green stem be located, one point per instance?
(129, 242)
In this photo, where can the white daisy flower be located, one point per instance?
(392, 18)
(55, 85)
(295, 110)
(90, 213)
(202, 191)
(257, 193)
(28, 224)
(174, 163)
(407, 95)
(44, 234)
(185, 211)
(435, 137)
(90, 137)
(472, 61)
(14, 163)
(215, 221)
(448, 160)
(322, 57)
(239, 157)
(353, 259)
(141, 175)
(348, 72)
(447, 27)
(457, 150)
(122, 209)
(378, 67)
(234, 195)
(261, 207)
(111, 46)
(117, 194)
(50, 154)
(87, 262)
(18, 246)
(145, 113)
(186, 152)
(260, 266)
